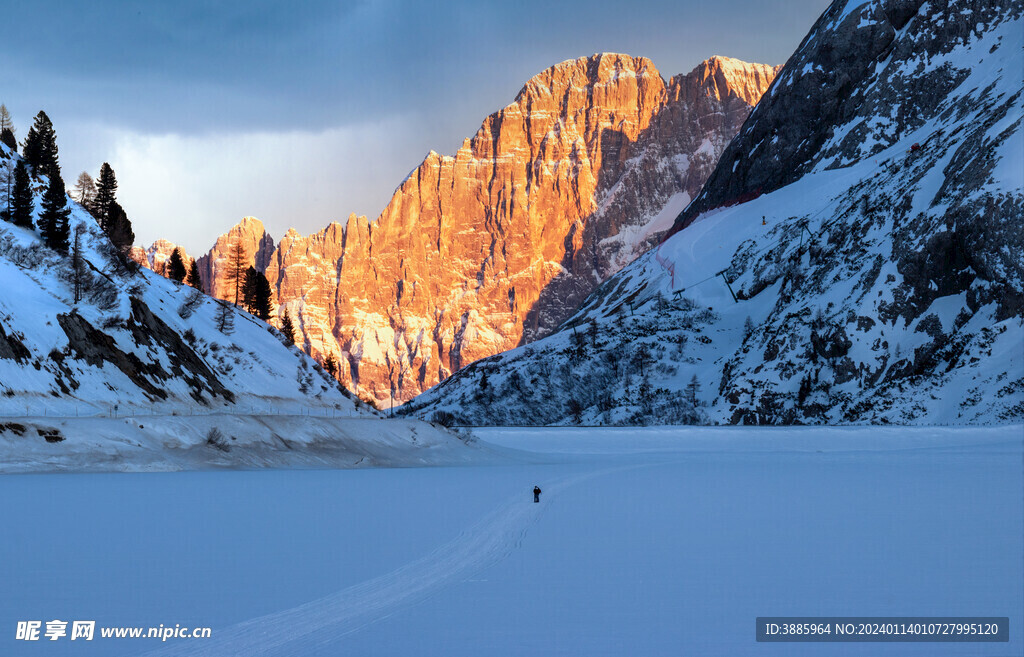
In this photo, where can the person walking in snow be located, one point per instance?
(536, 494)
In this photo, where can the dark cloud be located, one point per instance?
(194, 66)
(193, 82)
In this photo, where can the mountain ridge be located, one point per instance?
(498, 243)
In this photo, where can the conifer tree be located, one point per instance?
(194, 279)
(40, 149)
(176, 266)
(9, 140)
(119, 229)
(804, 391)
(692, 391)
(53, 218)
(249, 290)
(288, 329)
(78, 267)
(106, 195)
(575, 409)
(31, 148)
(331, 365)
(263, 297)
(257, 296)
(22, 203)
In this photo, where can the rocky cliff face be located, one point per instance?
(257, 244)
(865, 267)
(858, 83)
(496, 245)
(156, 256)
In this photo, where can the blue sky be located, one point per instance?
(300, 113)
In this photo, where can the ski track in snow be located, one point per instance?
(301, 629)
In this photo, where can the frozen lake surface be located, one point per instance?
(658, 541)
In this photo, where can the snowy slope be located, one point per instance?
(883, 284)
(145, 355)
(139, 345)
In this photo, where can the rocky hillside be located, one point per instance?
(498, 244)
(853, 258)
(106, 366)
(104, 338)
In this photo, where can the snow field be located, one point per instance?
(647, 542)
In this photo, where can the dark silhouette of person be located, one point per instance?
(536, 494)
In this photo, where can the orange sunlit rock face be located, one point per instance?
(157, 255)
(496, 245)
(257, 244)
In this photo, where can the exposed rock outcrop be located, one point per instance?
(156, 256)
(498, 244)
(257, 244)
(857, 69)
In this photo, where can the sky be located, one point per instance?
(302, 113)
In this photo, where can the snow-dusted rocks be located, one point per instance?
(879, 267)
(869, 74)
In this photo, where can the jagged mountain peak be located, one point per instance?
(498, 243)
(250, 222)
(587, 72)
(258, 246)
(155, 256)
(725, 77)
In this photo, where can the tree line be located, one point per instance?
(39, 158)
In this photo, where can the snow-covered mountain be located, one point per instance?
(855, 256)
(97, 359)
(134, 340)
(498, 244)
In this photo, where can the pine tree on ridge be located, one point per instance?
(40, 148)
(53, 218)
(194, 279)
(106, 195)
(176, 266)
(288, 328)
(22, 203)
